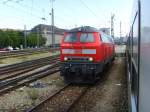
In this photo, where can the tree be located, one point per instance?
(15, 36)
(42, 41)
(5, 41)
(32, 40)
(1, 39)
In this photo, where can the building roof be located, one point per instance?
(84, 29)
(47, 28)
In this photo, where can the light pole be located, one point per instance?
(52, 24)
(25, 37)
(38, 37)
(112, 25)
(120, 30)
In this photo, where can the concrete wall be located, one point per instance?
(58, 38)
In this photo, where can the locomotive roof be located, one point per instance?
(84, 29)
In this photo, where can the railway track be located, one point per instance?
(22, 53)
(62, 100)
(23, 80)
(17, 54)
(13, 74)
(19, 75)
(27, 64)
(65, 99)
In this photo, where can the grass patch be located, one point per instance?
(25, 58)
(33, 93)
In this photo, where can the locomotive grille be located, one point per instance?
(78, 59)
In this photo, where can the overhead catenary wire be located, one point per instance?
(18, 1)
(25, 11)
(21, 10)
(90, 10)
(20, 18)
(31, 7)
(57, 17)
(25, 5)
(43, 18)
(6, 1)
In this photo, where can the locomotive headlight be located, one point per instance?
(90, 59)
(65, 58)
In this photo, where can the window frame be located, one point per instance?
(69, 37)
(94, 40)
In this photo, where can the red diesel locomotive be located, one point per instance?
(84, 52)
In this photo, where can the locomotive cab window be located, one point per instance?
(87, 37)
(71, 37)
(105, 39)
(111, 40)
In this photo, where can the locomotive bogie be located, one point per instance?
(81, 72)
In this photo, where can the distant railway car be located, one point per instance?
(84, 52)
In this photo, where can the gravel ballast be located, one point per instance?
(110, 94)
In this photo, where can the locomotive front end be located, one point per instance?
(79, 57)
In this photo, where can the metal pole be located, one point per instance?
(52, 26)
(120, 30)
(53, 34)
(112, 25)
(25, 37)
(37, 37)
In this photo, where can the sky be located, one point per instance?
(68, 14)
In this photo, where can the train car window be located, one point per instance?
(110, 40)
(105, 39)
(86, 37)
(100, 37)
(71, 37)
(135, 41)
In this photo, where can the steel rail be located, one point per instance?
(38, 106)
(28, 69)
(76, 100)
(25, 64)
(21, 78)
(30, 80)
(18, 68)
(21, 53)
(50, 97)
(22, 63)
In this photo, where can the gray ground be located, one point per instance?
(109, 95)
(28, 96)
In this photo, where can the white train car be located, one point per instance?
(138, 57)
